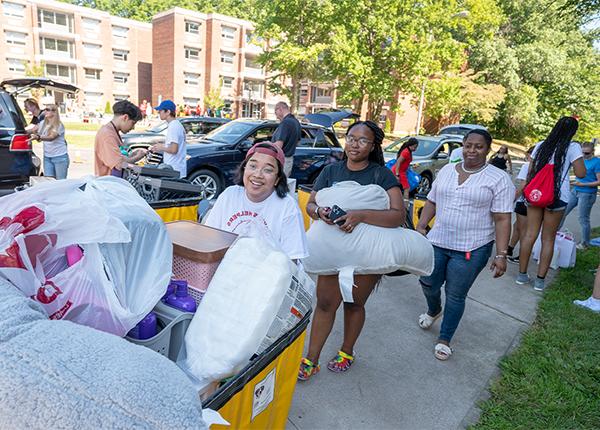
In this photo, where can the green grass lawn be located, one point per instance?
(552, 380)
(80, 140)
(81, 126)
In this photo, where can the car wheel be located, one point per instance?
(209, 181)
(425, 184)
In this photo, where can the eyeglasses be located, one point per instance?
(50, 110)
(361, 141)
(266, 171)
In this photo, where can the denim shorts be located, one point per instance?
(557, 206)
(521, 208)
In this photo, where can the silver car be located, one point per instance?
(431, 155)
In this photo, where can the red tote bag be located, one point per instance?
(540, 190)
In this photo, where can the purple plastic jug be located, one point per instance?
(145, 329)
(180, 299)
(170, 290)
(74, 254)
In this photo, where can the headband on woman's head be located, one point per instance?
(267, 148)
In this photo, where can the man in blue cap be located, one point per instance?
(174, 148)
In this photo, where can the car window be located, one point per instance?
(425, 148)
(207, 127)
(230, 132)
(10, 115)
(263, 134)
(191, 127)
(445, 149)
(454, 130)
(5, 121)
(158, 128)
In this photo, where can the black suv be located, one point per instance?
(17, 160)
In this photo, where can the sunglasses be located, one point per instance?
(587, 153)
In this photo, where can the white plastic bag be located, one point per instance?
(237, 310)
(567, 249)
(118, 280)
(368, 249)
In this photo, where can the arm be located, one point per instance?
(161, 148)
(392, 217)
(509, 162)
(579, 168)
(426, 216)
(135, 156)
(47, 137)
(399, 161)
(502, 225)
(315, 211)
(589, 184)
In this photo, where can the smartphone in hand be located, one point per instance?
(335, 213)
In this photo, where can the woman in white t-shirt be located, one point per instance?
(260, 202)
(52, 132)
(556, 149)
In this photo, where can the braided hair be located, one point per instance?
(555, 145)
(376, 155)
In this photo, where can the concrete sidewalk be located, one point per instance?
(396, 382)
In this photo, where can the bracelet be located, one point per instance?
(317, 211)
(500, 256)
(503, 252)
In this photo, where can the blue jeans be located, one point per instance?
(56, 167)
(585, 201)
(458, 274)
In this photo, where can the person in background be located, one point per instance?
(261, 194)
(198, 110)
(52, 132)
(472, 202)
(403, 159)
(108, 159)
(501, 160)
(556, 149)
(32, 106)
(593, 302)
(363, 163)
(456, 156)
(143, 106)
(584, 193)
(520, 208)
(174, 148)
(149, 112)
(287, 135)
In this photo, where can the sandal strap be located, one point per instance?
(344, 355)
(307, 362)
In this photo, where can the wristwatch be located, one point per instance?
(317, 211)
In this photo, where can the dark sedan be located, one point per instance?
(213, 159)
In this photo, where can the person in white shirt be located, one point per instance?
(174, 148)
(456, 156)
(52, 132)
(556, 149)
(260, 203)
(520, 224)
(472, 202)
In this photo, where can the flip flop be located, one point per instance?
(426, 320)
(442, 352)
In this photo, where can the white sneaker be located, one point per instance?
(581, 247)
(591, 304)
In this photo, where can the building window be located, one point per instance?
(120, 32)
(119, 97)
(303, 92)
(92, 51)
(55, 18)
(15, 65)
(120, 78)
(228, 32)
(192, 53)
(191, 79)
(92, 74)
(14, 10)
(93, 100)
(323, 92)
(191, 101)
(192, 27)
(90, 24)
(59, 71)
(15, 38)
(120, 55)
(227, 57)
(252, 64)
(227, 82)
(56, 46)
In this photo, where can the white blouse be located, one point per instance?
(464, 213)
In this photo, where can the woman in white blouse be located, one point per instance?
(472, 204)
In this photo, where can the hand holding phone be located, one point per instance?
(335, 213)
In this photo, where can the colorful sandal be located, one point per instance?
(341, 362)
(307, 369)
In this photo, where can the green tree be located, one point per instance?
(213, 99)
(35, 70)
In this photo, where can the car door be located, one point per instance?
(442, 155)
(316, 149)
(15, 166)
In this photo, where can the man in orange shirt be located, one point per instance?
(107, 155)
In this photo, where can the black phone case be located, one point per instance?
(335, 213)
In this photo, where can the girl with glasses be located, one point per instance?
(51, 132)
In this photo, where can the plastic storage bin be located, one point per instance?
(177, 209)
(197, 252)
(172, 324)
(303, 195)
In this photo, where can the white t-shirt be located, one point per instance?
(521, 178)
(56, 147)
(573, 153)
(456, 155)
(176, 133)
(234, 212)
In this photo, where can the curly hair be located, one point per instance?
(555, 146)
(376, 155)
(410, 142)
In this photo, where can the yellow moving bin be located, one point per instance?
(303, 195)
(417, 208)
(260, 396)
(177, 210)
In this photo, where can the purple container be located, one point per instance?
(180, 299)
(145, 329)
(170, 290)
